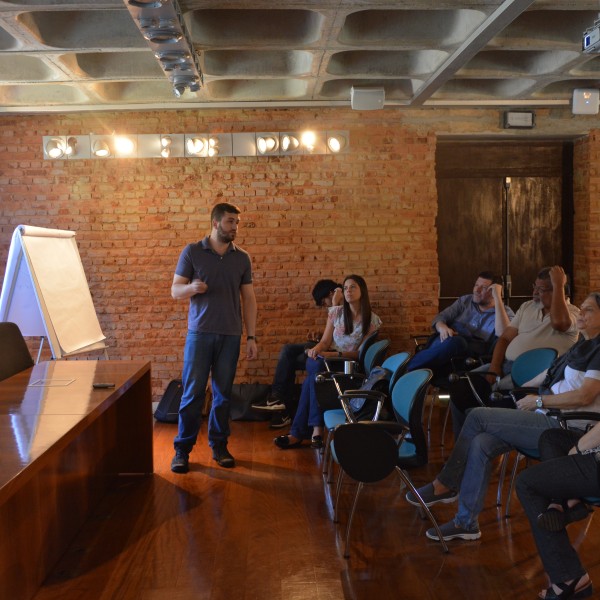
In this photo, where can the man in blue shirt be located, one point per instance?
(468, 327)
(214, 274)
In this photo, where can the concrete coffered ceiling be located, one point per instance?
(90, 55)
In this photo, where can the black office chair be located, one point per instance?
(14, 353)
(369, 451)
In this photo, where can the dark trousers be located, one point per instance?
(557, 477)
(291, 359)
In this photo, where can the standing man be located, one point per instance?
(213, 274)
(468, 326)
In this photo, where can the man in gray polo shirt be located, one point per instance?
(213, 273)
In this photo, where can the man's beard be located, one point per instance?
(224, 237)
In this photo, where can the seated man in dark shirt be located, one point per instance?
(281, 400)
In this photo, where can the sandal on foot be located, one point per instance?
(283, 442)
(569, 591)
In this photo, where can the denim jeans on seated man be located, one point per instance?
(291, 359)
(201, 351)
(438, 353)
(486, 434)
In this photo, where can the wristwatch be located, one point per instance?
(539, 403)
(251, 337)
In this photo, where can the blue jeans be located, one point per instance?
(206, 354)
(291, 359)
(438, 353)
(558, 477)
(486, 434)
(309, 413)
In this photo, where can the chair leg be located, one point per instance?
(434, 395)
(359, 488)
(413, 489)
(338, 489)
(445, 424)
(327, 453)
(511, 488)
(501, 478)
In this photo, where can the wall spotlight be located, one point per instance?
(124, 146)
(213, 146)
(267, 144)
(165, 143)
(178, 90)
(308, 140)
(101, 149)
(56, 147)
(71, 147)
(147, 3)
(336, 143)
(195, 145)
(289, 143)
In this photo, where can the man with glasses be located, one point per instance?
(547, 321)
(468, 327)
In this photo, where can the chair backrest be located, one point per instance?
(367, 454)
(14, 354)
(531, 363)
(396, 364)
(408, 397)
(362, 350)
(374, 355)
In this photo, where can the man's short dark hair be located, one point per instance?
(218, 211)
(322, 289)
(493, 277)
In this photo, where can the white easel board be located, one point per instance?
(45, 291)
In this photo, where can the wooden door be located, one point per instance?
(495, 213)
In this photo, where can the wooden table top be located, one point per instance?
(45, 407)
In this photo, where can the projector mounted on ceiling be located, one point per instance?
(591, 38)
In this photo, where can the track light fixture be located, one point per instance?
(162, 25)
(194, 145)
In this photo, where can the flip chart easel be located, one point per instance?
(45, 291)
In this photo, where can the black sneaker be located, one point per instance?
(280, 420)
(223, 457)
(180, 462)
(271, 403)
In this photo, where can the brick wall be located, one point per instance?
(586, 193)
(371, 211)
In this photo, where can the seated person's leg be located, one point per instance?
(291, 356)
(438, 353)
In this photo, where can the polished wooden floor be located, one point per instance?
(263, 531)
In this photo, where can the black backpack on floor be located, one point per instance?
(167, 410)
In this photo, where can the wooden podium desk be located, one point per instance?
(62, 444)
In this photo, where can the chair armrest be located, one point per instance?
(374, 395)
(573, 415)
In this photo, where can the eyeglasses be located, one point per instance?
(540, 289)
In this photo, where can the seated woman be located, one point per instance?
(347, 325)
(490, 432)
(568, 471)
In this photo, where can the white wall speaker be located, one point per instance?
(586, 102)
(367, 98)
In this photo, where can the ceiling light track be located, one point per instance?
(161, 24)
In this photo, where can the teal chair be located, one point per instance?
(334, 417)
(369, 451)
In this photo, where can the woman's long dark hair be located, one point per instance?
(365, 307)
